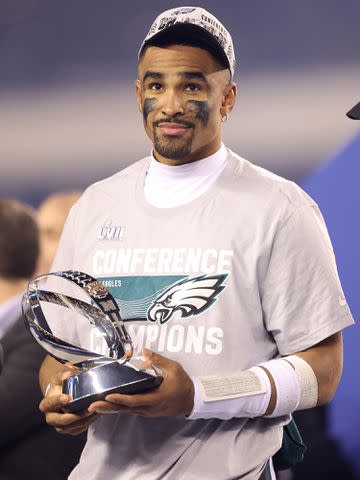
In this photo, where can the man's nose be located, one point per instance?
(172, 104)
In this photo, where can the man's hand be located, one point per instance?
(51, 404)
(175, 395)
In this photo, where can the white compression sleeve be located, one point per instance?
(246, 394)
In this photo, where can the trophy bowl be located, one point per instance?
(63, 310)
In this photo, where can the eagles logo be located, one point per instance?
(190, 297)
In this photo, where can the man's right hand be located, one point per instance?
(52, 403)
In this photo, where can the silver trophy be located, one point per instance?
(111, 369)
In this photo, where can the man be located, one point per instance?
(51, 216)
(29, 448)
(19, 248)
(219, 267)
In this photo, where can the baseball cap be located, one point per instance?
(354, 113)
(194, 20)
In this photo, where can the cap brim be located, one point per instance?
(354, 113)
(190, 34)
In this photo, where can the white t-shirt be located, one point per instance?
(271, 288)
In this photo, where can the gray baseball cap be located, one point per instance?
(354, 113)
(202, 21)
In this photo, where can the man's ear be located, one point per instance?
(138, 95)
(229, 98)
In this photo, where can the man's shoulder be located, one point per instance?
(130, 172)
(111, 185)
(265, 185)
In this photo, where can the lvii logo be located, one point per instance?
(111, 232)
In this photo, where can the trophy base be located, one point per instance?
(91, 385)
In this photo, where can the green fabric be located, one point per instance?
(292, 450)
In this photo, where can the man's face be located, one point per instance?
(183, 94)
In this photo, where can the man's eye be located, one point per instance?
(192, 87)
(155, 86)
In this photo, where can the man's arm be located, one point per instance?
(175, 396)
(326, 359)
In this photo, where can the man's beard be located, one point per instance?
(173, 148)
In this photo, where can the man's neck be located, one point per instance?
(11, 288)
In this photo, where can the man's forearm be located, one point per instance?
(325, 359)
(311, 379)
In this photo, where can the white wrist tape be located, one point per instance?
(307, 380)
(287, 386)
(245, 394)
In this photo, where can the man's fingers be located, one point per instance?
(78, 426)
(53, 403)
(104, 407)
(120, 405)
(57, 419)
(156, 358)
(139, 400)
(59, 377)
(55, 385)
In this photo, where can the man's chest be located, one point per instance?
(185, 286)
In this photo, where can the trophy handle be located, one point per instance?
(61, 350)
(106, 302)
(105, 315)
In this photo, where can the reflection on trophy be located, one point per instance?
(62, 311)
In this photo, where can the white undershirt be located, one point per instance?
(169, 186)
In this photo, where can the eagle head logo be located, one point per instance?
(190, 296)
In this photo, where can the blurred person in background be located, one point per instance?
(19, 250)
(28, 447)
(18, 240)
(51, 217)
(1, 358)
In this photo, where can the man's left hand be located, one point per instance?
(175, 395)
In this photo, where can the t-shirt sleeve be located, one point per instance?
(65, 253)
(302, 299)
